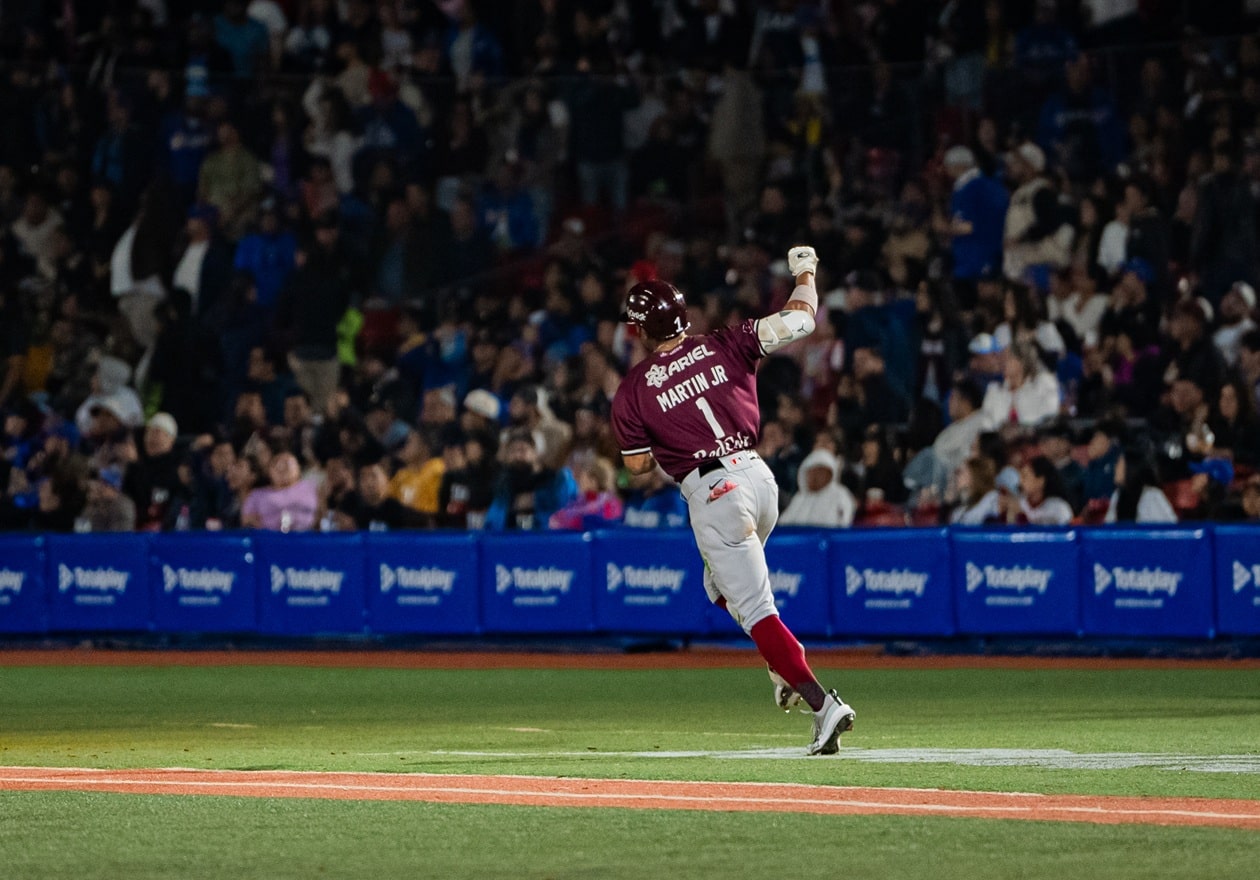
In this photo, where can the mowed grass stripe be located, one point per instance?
(639, 794)
(97, 836)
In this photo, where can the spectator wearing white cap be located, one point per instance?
(1037, 232)
(1237, 308)
(482, 410)
(153, 480)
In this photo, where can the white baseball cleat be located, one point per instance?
(784, 695)
(801, 258)
(834, 718)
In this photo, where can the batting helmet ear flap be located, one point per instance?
(657, 308)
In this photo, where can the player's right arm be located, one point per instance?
(629, 431)
(639, 464)
(796, 319)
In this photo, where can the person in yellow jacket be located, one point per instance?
(418, 481)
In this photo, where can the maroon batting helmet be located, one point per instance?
(658, 308)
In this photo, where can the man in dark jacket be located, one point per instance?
(324, 285)
(1223, 246)
(528, 493)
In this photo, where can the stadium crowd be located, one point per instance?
(340, 264)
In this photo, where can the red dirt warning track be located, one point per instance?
(533, 791)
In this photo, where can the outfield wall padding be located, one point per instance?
(1171, 582)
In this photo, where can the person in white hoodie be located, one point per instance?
(821, 499)
(110, 389)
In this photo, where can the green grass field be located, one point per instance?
(612, 724)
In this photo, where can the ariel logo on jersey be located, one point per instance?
(657, 374)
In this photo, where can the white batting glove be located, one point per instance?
(801, 258)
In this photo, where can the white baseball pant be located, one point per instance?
(733, 510)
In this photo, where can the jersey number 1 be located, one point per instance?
(718, 431)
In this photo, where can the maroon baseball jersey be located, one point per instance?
(696, 402)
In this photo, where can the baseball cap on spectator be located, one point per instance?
(984, 343)
(960, 157)
(1218, 469)
(1139, 267)
(483, 403)
(1033, 155)
(111, 476)
(1008, 480)
(1247, 292)
(165, 423)
(112, 404)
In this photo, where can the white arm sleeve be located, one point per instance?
(777, 330)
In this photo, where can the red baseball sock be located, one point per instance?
(786, 656)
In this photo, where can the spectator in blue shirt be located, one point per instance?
(187, 138)
(506, 212)
(1079, 128)
(977, 219)
(1042, 48)
(241, 37)
(654, 502)
(268, 255)
(389, 127)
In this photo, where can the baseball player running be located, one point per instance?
(691, 405)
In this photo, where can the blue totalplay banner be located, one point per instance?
(537, 583)
(1147, 582)
(891, 582)
(422, 583)
(648, 582)
(1017, 582)
(204, 582)
(23, 599)
(311, 584)
(99, 582)
(1238, 580)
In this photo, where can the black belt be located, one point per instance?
(713, 464)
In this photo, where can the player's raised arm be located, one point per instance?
(796, 319)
